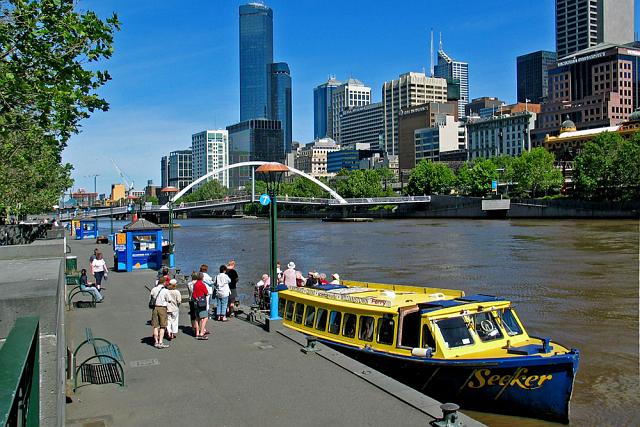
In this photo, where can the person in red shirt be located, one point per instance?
(200, 292)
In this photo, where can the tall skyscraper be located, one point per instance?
(532, 71)
(256, 53)
(210, 151)
(406, 91)
(447, 68)
(164, 171)
(322, 108)
(581, 24)
(280, 90)
(352, 93)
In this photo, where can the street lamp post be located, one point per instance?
(170, 191)
(273, 173)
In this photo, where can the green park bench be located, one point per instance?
(106, 363)
(77, 290)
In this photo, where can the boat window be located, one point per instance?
(289, 311)
(321, 319)
(486, 327)
(386, 326)
(335, 318)
(281, 305)
(299, 312)
(349, 325)
(366, 328)
(509, 322)
(411, 330)
(427, 338)
(455, 332)
(308, 319)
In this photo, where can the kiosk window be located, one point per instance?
(145, 242)
(386, 326)
(455, 332)
(299, 312)
(321, 319)
(308, 319)
(427, 338)
(289, 312)
(349, 325)
(366, 328)
(281, 305)
(335, 318)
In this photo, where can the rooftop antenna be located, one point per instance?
(431, 55)
(440, 41)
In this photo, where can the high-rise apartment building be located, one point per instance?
(447, 68)
(352, 93)
(532, 71)
(258, 139)
(322, 126)
(180, 168)
(256, 53)
(280, 89)
(581, 24)
(362, 125)
(408, 90)
(209, 152)
(164, 171)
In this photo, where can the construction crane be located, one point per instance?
(128, 183)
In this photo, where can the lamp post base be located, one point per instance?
(273, 314)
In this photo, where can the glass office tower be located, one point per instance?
(256, 53)
(280, 94)
(322, 94)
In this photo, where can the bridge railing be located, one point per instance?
(20, 379)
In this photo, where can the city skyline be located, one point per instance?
(172, 75)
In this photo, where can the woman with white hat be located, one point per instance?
(290, 275)
(335, 279)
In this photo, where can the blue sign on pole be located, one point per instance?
(265, 199)
(494, 185)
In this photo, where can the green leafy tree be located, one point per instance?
(46, 89)
(474, 179)
(359, 183)
(302, 187)
(534, 174)
(210, 190)
(431, 178)
(608, 168)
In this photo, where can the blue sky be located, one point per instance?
(175, 66)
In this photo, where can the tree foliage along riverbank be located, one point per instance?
(48, 84)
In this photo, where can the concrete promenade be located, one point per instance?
(241, 376)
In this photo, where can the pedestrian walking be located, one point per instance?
(289, 275)
(174, 299)
(200, 297)
(157, 298)
(99, 269)
(222, 293)
(233, 296)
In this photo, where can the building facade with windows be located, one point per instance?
(322, 125)
(180, 168)
(362, 125)
(256, 53)
(409, 90)
(447, 68)
(280, 89)
(209, 152)
(164, 171)
(312, 158)
(532, 71)
(506, 135)
(352, 93)
(581, 24)
(350, 158)
(442, 137)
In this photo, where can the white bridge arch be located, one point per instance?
(335, 195)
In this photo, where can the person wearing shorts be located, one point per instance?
(159, 315)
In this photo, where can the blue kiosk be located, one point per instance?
(88, 229)
(138, 246)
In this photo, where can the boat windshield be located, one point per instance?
(509, 322)
(486, 327)
(455, 332)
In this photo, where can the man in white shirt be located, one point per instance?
(159, 314)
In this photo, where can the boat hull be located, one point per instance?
(530, 386)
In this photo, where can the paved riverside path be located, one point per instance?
(241, 376)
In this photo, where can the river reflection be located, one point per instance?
(573, 280)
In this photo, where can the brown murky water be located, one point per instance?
(573, 280)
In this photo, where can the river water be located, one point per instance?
(573, 280)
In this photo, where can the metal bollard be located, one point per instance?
(311, 345)
(450, 417)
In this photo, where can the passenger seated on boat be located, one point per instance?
(366, 328)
